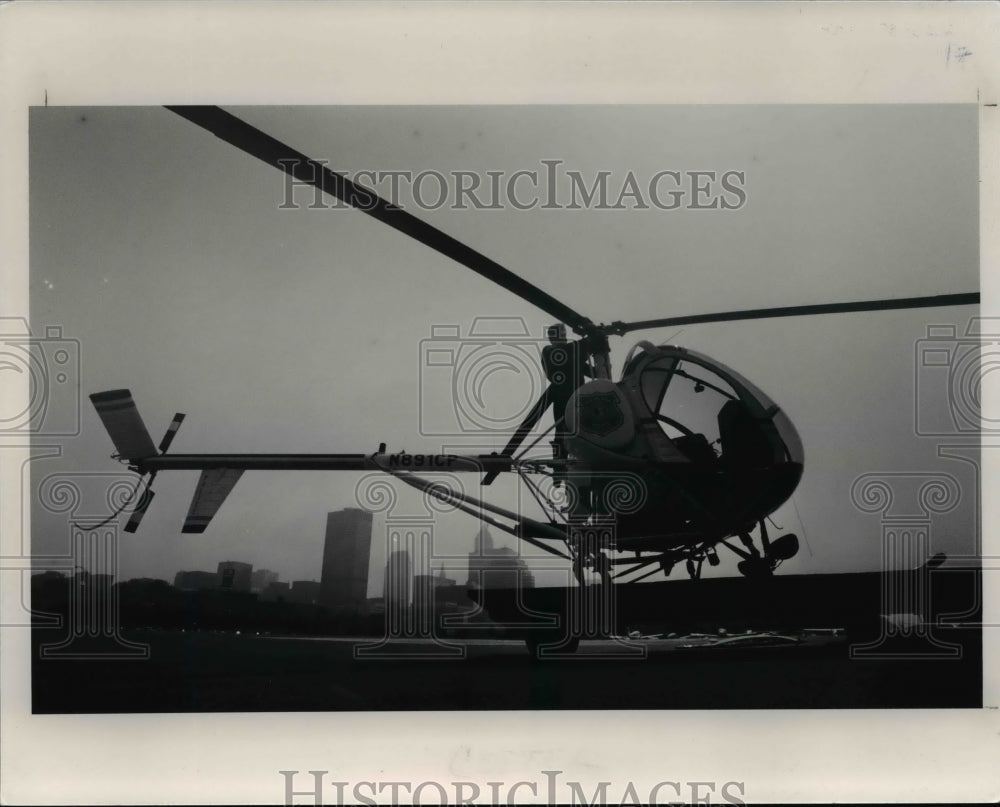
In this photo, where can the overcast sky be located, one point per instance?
(164, 252)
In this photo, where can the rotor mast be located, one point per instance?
(600, 354)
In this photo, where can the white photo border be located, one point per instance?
(491, 53)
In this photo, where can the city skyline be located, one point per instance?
(484, 556)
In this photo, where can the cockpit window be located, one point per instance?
(710, 412)
(686, 399)
(654, 381)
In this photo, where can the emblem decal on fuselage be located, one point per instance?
(600, 413)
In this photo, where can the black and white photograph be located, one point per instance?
(531, 408)
(461, 492)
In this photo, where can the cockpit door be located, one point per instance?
(686, 399)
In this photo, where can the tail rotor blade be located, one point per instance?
(140, 510)
(168, 438)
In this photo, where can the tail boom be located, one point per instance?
(328, 462)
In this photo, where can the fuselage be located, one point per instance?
(714, 453)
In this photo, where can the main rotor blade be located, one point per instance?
(264, 147)
(972, 298)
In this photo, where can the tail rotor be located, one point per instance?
(128, 433)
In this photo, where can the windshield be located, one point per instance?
(700, 404)
(685, 397)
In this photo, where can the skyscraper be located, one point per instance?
(497, 567)
(261, 579)
(398, 580)
(305, 591)
(346, 554)
(232, 575)
(196, 581)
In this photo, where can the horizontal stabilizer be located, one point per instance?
(121, 418)
(214, 486)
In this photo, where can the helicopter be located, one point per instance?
(679, 457)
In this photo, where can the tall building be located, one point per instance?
(423, 591)
(276, 592)
(398, 580)
(234, 576)
(425, 588)
(482, 545)
(305, 591)
(196, 581)
(261, 579)
(497, 567)
(346, 554)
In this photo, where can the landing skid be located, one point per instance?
(590, 556)
(753, 561)
(757, 563)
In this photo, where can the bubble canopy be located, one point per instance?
(690, 393)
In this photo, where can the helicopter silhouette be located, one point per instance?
(678, 457)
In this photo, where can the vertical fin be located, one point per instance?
(121, 418)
